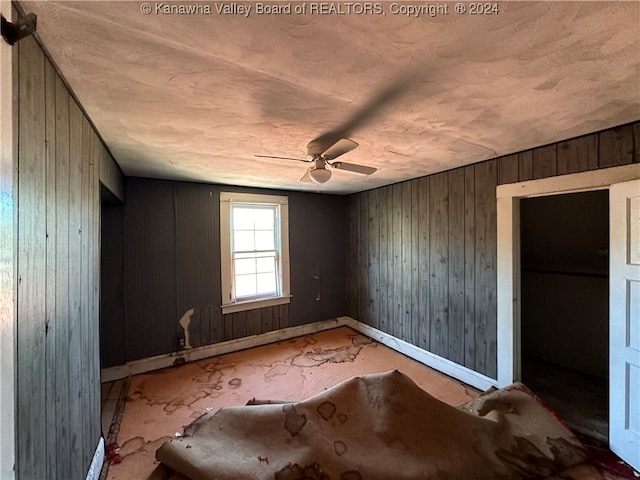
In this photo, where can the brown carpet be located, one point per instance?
(380, 426)
(162, 403)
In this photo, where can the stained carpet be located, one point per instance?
(159, 405)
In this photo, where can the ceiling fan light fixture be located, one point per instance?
(320, 175)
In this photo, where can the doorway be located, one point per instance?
(112, 324)
(564, 271)
(623, 186)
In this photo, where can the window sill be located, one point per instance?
(254, 304)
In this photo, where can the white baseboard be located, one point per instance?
(96, 463)
(163, 361)
(452, 369)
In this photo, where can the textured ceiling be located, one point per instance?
(195, 97)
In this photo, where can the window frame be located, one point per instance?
(229, 303)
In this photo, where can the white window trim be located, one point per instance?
(226, 199)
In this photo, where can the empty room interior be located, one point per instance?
(232, 231)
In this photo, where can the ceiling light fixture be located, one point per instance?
(320, 175)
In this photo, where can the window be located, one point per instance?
(254, 244)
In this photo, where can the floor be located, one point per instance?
(580, 399)
(160, 404)
(111, 394)
(142, 412)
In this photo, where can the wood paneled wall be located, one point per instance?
(59, 162)
(172, 268)
(422, 253)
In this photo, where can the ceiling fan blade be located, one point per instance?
(324, 142)
(283, 158)
(306, 178)
(341, 147)
(352, 167)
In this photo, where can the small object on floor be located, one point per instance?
(112, 453)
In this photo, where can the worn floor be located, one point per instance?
(580, 399)
(160, 404)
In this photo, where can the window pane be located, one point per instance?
(264, 240)
(251, 237)
(245, 266)
(245, 285)
(243, 241)
(264, 218)
(266, 283)
(266, 264)
(243, 218)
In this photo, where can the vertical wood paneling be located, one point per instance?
(239, 324)
(205, 325)
(58, 417)
(94, 320)
(373, 261)
(405, 241)
(363, 257)
(254, 322)
(456, 266)
(85, 277)
(437, 248)
(353, 286)
(390, 244)
(251, 322)
(51, 326)
(195, 328)
(197, 271)
(216, 324)
(508, 169)
(544, 161)
(616, 146)
(216, 318)
(111, 176)
(525, 165)
(469, 267)
(283, 315)
(267, 319)
(415, 264)
(485, 267)
(383, 259)
(424, 322)
(227, 320)
(31, 302)
(578, 155)
(397, 328)
(150, 270)
(112, 314)
(439, 257)
(63, 380)
(76, 363)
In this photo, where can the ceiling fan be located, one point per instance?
(322, 152)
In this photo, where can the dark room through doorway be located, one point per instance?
(565, 306)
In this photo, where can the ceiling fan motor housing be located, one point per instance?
(320, 174)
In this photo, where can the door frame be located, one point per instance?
(508, 244)
(8, 259)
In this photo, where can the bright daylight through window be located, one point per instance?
(254, 243)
